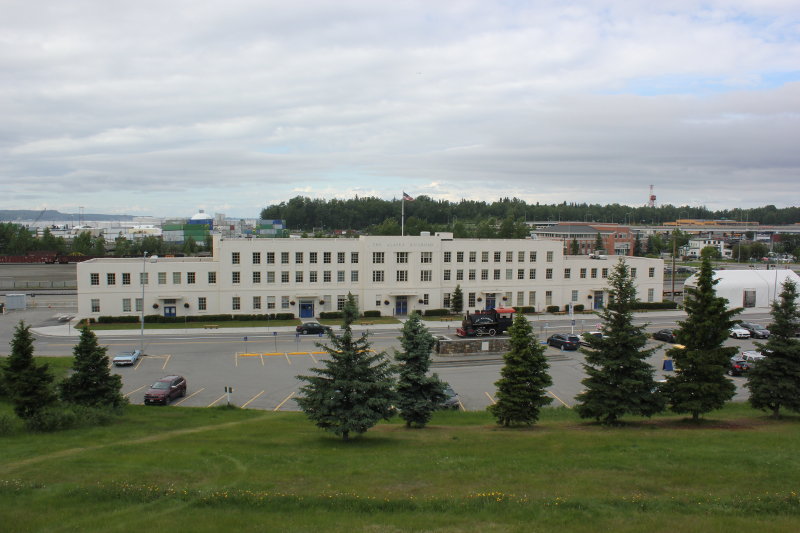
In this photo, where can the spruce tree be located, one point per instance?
(620, 380)
(774, 382)
(354, 389)
(522, 387)
(457, 300)
(419, 394)
(91, 383)
(699, 384)
(29, 386)
(598, 244)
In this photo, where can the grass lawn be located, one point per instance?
(217, 469)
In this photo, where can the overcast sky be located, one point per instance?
(167, 107)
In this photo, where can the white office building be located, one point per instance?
(395, 275)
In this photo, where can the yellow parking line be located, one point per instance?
(195, 393)
(131, 392)
(262, 359)
(253, 398)
(212, 404)
(139, 362)
(287, 358)
(283, 402)
(461, 405)
(250, 355)
(490, 398)
(557, 398)
(313, 358)
(166, 361)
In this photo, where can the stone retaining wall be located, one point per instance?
(447, 346)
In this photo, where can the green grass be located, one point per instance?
(218, 469)
(222, 324)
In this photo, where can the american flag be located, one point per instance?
(407, 197)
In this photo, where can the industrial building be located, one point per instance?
(394, 275)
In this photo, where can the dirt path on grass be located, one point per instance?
(150, 438)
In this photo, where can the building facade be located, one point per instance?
(395, 275)
(617, 239)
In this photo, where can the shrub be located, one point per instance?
(526, 309)
(437, 312)
(69, 417)
(578, 308)
(552, 309)
(372, 314)
(331, 314)
(8, 425)
(655, 305)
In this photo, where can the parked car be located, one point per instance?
(165, 389)
(564, 341)
(738, 332)
(312, 327)
(738, 366)
(756, 331)
(752, 356)
(126, 358)
(666, 335)
(596, 334)
(451, 400)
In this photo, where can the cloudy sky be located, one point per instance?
(167, 107)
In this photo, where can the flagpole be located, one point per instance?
(403, 216)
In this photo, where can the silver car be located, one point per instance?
(739, 333)
(126, 358)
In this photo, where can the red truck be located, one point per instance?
(489, 322)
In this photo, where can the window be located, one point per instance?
(162, 278)
(256, 277)
(459, 275)
(484, 274)
(284, 302)
(605, 273)
(312, 257)
(256, 302)
(574, 296)
(567, 273)
(270, 302)
(426, 275)
(95, 305)
(650, 295)
(377, 257)
(139, 305)
(497, 257)
(633, 272)
(94, 278)
(520, 273)
(509, 273)
(340, 276)
(256, 258)
(550, 257)
(496, 274)
(144, 278)
(270, 277)
(472, 274)
(583, 273)
(298, 276)
(176, 278)
(312, 276)
(520, 298)
(354, 257)
(201, 303)
(426, 257)
(509, 257)
(377, 276)
(446, 300)
(532, 273)
(236, 303)
(548, 273)
(471, 299)
(651, 272)
(354, 276)
(459, 257)
(236, 277)
(548, 298)
(126, 278)
(594, 273)
(326, 257)
(473, 257)
(484, 257)
(401, 257)
(270, 258)
(520, 257)
(111, 279)
(298, 258)
(446, 275)
(285, 276)
(532, 257)
(191, 277)
(425, 298)
(326, 276)
(340, 257)
(447, 256)
(532, 298)
(401, 275)
(212, 278)
(235, 258)
(126, 305)
(341, 300)
(284, 258)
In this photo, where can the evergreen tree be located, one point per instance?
(598, 244)
(521, 389)
(419, 394)
(638, 249)
(620, 380)
(699, 384)
(354, 389)
(457, 300)
(574, 247)
(29, 386)
(91, 383)
(775, 381)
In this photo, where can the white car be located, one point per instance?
(739, 333)
(753, 356)
(126, 358)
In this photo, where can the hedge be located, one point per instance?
(552, 309)
(159, 319)
(372, 314)
(655, 305)
(331, 314)
(437, 312)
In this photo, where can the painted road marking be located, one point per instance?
(283, 402)
(165, 362)
(195, 393)
(212, 404)
(490, 398)
(253, 398)
(557, 398)
(137, 390)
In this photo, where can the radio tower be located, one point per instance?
(652, 202)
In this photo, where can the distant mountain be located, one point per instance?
(28, 215)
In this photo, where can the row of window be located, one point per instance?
(299, 257)
(380, 257)
(144, 278)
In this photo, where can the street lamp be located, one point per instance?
(141, 281)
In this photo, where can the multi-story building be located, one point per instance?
(395, 275)
(617, 239)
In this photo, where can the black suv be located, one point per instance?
(666, 335)
(564, 341)
(165, 389)
(756, 331)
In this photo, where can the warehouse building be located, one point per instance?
(395, 275)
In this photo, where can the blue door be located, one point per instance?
(306, 309)
(598, 299)
(401, 305)
(169, 310)
(491, 301)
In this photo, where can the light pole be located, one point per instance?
(141, 281)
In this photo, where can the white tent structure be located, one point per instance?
(748, 288)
